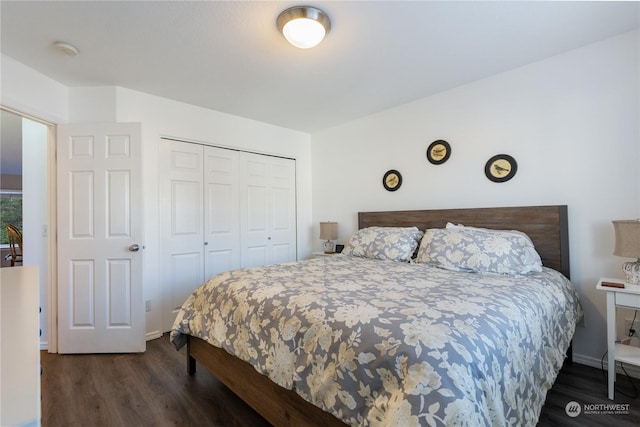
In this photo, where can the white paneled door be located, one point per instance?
(200, 226)
(100, 288)
(221, 225)
(267, 210)
(182, 223)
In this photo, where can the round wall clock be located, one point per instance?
(501, 168)
(392, 180)
(438, 152)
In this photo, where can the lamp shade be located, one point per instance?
(627, 238)
(328, 230)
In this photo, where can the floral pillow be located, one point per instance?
(479, 250)
(490, 230)
(386, 243)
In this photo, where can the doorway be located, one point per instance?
(24, 200)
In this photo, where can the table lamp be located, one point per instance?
(329, 232)
(628, 245)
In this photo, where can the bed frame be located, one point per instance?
(546, 225)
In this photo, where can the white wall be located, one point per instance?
(571, 121)
(28, 91)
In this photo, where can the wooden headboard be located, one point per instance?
(547, 226)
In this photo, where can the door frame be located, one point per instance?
(52, 232)
(52, 237)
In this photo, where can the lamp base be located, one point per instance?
(632, 271)
(329, 248)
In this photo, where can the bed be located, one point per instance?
(474, 348)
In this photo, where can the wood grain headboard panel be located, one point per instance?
(547, 226)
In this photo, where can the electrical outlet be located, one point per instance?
(147, 305)
(627, 326)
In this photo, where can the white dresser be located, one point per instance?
(19, 347)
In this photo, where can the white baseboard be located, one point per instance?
(632, 370)
(153, 335)
(44, 345)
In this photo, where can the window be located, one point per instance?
(10, 212)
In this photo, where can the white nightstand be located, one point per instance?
(321, 254)
(628, 297)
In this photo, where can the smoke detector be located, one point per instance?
(66, 48)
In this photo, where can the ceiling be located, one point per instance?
(228, 55)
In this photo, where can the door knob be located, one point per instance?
(134, 248)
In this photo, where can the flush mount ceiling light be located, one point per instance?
(304, 26)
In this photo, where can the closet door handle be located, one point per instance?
(134, 248)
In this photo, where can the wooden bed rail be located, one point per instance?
(279, 406)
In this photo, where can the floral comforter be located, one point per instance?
(389, 343)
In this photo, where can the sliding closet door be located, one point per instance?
(267, 210)
(182, 223)
(222, 221)
(222, 210)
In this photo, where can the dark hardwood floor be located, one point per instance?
(149, 389)
(153, 389)
(588, 386)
